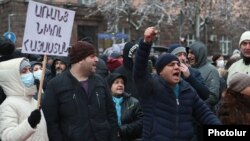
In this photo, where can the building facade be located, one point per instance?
(217, 37)
(13, 17)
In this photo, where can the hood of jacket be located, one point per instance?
(65, 60)
(128, 52)
(200, 51)
(10, 79)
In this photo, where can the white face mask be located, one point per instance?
(220, 63)
(37, 74)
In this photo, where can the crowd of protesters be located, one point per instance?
(131, 95)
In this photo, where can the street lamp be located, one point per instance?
(9, 21)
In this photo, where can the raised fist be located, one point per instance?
(150, 34)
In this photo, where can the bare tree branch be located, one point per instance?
(166, 12)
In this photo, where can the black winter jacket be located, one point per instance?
(167, 117)
(131, 118)
(73, 115)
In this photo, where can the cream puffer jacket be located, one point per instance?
(17, 106)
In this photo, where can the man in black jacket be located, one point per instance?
(78, 105)
(168, 102)
(127, 67)
(59, 65)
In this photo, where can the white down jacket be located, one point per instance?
(17, 106)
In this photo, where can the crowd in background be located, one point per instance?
(127, 95)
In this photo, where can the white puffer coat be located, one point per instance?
(17, 107)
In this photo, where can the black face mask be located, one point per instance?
(246, 60)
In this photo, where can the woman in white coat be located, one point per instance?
(19, 118)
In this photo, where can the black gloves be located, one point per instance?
(34, 118)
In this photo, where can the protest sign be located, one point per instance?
(47, 30)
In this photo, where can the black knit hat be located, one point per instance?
(163, 60)
(33, 63)
(80, 50)
(128, 51)
(113, 76)
(6, 46)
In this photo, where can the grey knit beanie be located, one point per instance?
(24, 63)
(239, 81)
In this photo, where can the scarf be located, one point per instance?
(118, 108)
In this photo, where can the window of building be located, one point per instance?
(124, 36)
(225, 45)
(88, 2)
(190, 39)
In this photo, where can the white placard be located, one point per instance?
(47, 30)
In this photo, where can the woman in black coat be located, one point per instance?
(128, 109)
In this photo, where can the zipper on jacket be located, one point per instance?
(74, 98)
(177, 119)
(177, 101)
(98, 100)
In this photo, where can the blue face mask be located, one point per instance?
(27, 79)
(37, 74)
